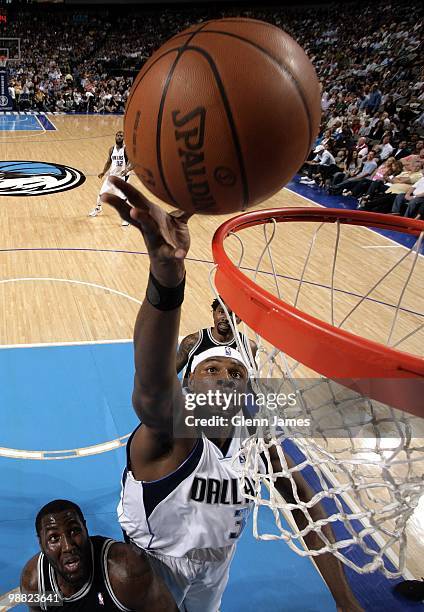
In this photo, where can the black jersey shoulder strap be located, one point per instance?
(105, 573)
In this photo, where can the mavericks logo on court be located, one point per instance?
(31, 178)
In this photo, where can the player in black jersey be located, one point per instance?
(220, 334)
(89, 573)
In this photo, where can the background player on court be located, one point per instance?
(117, 164)
(89, 573)
(181, 497)
(221, 334)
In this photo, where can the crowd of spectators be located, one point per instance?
(370, 146)
(368, 57)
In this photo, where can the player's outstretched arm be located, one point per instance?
(134, 583)
(329, 566)
(157, 396)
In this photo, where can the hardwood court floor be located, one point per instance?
(65, 277)
(60, 241)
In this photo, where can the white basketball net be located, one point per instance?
(364, 461)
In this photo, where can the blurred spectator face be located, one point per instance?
(402, 144)
(386, 140)
(370, 156)
(419, 146)
(397, 167)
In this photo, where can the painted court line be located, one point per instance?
(39, 123)
(73, 281)
(384, 246)
(72, 453)
(50, 121)
(76, 343)
(5, 597)
(191, 259)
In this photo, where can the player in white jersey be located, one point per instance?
(181, 498)
(117, 164)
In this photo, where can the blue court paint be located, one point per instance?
(320, 196)
(45, 122)
(269, 577)
(102, 394)
(67, 397)
(20, 123)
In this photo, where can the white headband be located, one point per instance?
(217, 351)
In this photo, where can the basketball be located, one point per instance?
(222, 116)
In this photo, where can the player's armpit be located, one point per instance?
(134, 583)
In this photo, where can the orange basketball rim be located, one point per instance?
(379, 372)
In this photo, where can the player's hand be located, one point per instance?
(166, 234)
(101, 175)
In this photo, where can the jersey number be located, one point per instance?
(241, 519)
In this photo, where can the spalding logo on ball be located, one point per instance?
(222, 116)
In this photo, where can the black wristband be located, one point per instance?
(164, 298)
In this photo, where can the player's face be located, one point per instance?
(224, 377)
(119, 138)
(221, 322)
(65, 542)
